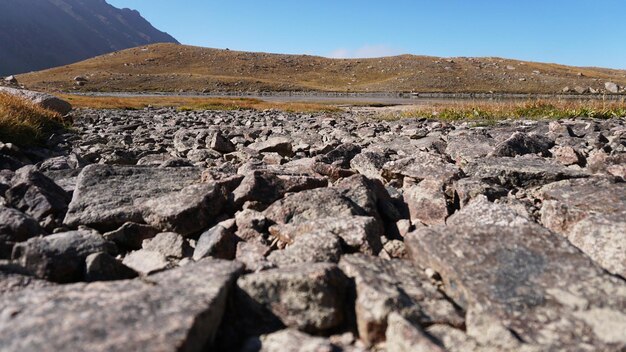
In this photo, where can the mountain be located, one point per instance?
(39, 34)
(168, 67)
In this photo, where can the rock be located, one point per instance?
(386, 286)
(177, 310)
(467, 145)
(251, 224)
(291, 340)
(520, 172)
(522, 143)
(170, 244)
(358, 233)
(420, 166)
(267, 187)
(309, 205)
(131, 235)
(581, 90)
(533, 284)
(314, 247)
(10, 79)
(147, 262)
(280, 145)
(15, 227)
(252, 255)
(102, 266)
(188, 139)
(308, 297)
(199, 155)
(221, 144)
(591, 214)
(467, 189)
(187, 211)
(427, 202)
(341, 156)
(80, 79)
(218, 242)
(46, 101)
(402, 336)
(611, 87)
(567, 155)
(369, 164)
(106, 196)
(37, 195)
(60, 257)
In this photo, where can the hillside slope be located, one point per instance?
(168, 67)
(38, 34)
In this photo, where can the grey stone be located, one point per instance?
(427, 202)
(106, 196)
(103, 267)
(60, 257)
(131, 235)
(521, 143)
(611, 87)
(217, 242)
(402, 336)
(179, 310)
(369, 164)
(253, 256)
(267, 187)
(510, 273)
(314, 247)
(147, 262)
(280, 145)
(170, 244)
(386, 286)
(291, 340)
(308, 297)
(44, 100)
(422, 165)
(15, 227)
(221, 144)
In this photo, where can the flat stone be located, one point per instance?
(521, 171)
(591, 214)
(386, 286)
(308, 297)
(467, 145)
(217, 242)
(521, 143)
(422, 165)
(280, 145)
(103, 267)
(467, 189)
(131, 235)
(314, 247)
(177, 310)
(147, 262)
(510, 273)
(358, 233)
(267, 187)
(291, 340)
(107, 196)
(60, 257)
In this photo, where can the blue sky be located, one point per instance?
(574, 32)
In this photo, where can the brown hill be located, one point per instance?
(172, 68)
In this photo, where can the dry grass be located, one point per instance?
(500, 110)
(191, 103)
(25, 124)
(172, 68)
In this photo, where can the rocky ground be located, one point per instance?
(159, 230)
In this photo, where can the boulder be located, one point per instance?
(511, 274)
(217, 242)
(170, 244)
(177, 310)
(15, 227)
(267, 187)
(60, 257)
(422, 165)
(221, 144)
(44, 100)
(427, 202)
(611, 87)
(521, 143)
(314, 247)
(280, 145)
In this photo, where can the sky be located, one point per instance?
(572, 32)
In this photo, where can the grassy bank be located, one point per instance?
(191, 103)
(26, 124)
(501, 110)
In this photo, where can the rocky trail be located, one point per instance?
(160, 230)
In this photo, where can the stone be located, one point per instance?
(467, 189)
(291, 340)
(341, 156)
(402, 336)
(314, 247)
(251, 224)
(176, 310)
(217, 242)
(170, 244)
(525, 171)
(309, 205)
(60, 257)
(147, 262)
(427, 202)
(107, 196)
(221, 144)
(467, 145)
(253, 256)
(131, 235)
(422, 165)
(10, 79)
(102, 266)
(46, 101)
(518, 276)
(37, 195)
(267, 187)
(521, 143)
(358, 233)
(199, 155)
(307, 297)
(369, 164)
(591, 214)
(280, 145)
(567, 155)
(386, 286)
(611, 87)
(15, 227)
